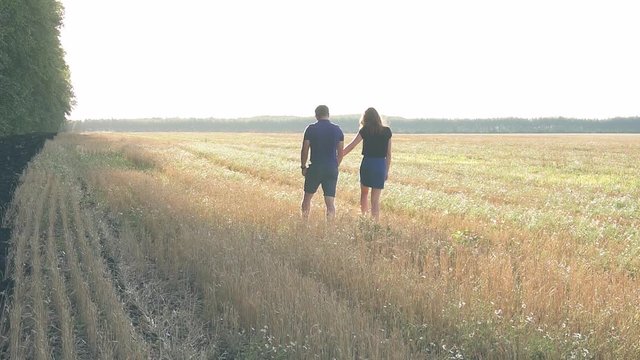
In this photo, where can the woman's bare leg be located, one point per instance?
(364, 199)
(375, 203)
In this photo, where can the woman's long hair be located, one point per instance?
(371, 121)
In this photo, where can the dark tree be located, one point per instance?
(35, 91)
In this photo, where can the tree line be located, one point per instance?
(35, 90)
(349, 123)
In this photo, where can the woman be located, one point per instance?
(376, 151)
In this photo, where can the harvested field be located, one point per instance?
(190, 246)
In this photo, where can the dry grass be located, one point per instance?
(62, 305)
(24, 231)
(82, 302)
(490, 247)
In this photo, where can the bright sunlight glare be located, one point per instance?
(417, 59)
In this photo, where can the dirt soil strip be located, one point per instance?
(15, 153)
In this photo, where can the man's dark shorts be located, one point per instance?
(325, 175)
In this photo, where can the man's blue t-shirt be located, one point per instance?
(323, 136)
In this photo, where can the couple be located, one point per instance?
(326, 142)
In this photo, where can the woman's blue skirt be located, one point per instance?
(373, 171)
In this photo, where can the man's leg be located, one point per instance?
(330, 202)
(329, 184)
(311, 183)
(306, 205)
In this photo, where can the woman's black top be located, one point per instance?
(375, 144)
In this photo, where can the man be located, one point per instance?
(326, 142)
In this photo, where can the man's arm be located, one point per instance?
(340, 151)
(304, 155)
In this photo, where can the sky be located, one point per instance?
(415, 59)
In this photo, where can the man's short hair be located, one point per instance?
(322, 111)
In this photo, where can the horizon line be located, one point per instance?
(401, 118)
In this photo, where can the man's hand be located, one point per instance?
(304, 171)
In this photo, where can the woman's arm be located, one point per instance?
(356, 140)
(388, 160)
